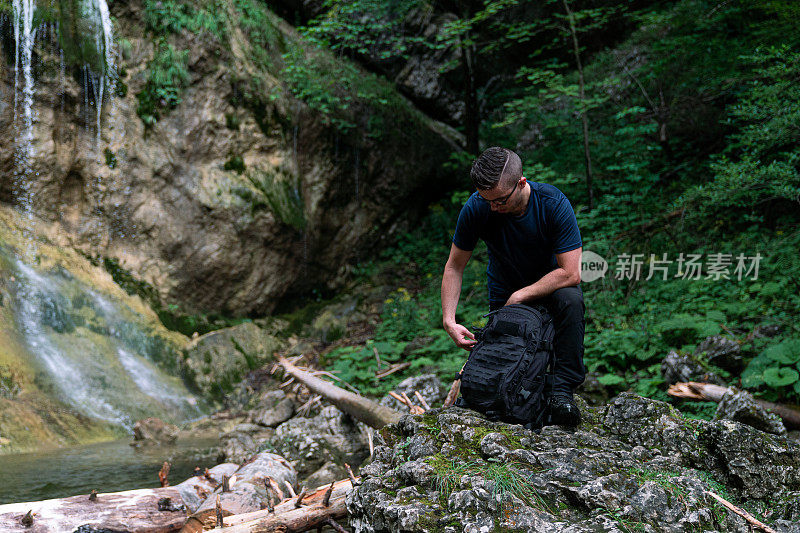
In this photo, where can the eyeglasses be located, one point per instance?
(498, 202)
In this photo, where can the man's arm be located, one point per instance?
(451, 291)
(567, 274)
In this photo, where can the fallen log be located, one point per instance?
(296, 520)
(371, 413)
(313, 500)
(693, 390)
(159, 510)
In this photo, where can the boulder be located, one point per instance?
(330, 436)
(153, 431)
(741, 406)
(218, 360)
(274, 408)
(679, 367)
(722, 352)
(636, 464)
(429, 386)
(244, 440)
(248, 486)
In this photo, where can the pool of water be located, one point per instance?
(105, 467)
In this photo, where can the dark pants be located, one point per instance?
(567, 309)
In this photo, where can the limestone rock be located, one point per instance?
(722, 352)
(328, 472)
(248, 491)
(678, 367)
(635, 465)
(740, 406)
(330, 436)
(244, 440)
(217, 360)
(154, 431)
(273, 409)
(429, 386)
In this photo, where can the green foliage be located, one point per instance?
(163, 17)
(358, 365)
(168, 76)
(505, 479)
(235, 163)
(111, 159)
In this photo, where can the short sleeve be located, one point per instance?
(564, 230)
(466, 235)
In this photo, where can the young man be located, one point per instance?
(534, 257)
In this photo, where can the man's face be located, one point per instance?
(504, 198)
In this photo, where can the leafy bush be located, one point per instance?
(168, 76)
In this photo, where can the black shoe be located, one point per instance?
(563, 411)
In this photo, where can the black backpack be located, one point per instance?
(508, 375)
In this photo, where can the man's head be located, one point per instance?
(497, 174)
(496, 166)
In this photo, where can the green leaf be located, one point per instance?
(786, 352)
(610, 379)
(780, 377)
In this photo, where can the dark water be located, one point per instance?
(105, 467)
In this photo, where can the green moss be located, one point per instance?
(235, 163)
(111, 159)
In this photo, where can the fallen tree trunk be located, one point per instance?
(327, 502)
(296, 520)
(340, 490)
(371, 413)
(713, 393)
(160, 510)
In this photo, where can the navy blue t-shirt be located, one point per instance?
(521, 248)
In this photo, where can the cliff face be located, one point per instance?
(238, 193)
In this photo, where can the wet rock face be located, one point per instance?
(167, 204)
(634, 465)
(742, 407)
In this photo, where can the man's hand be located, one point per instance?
(515, 298)
(461, 336)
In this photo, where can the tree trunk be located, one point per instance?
(371, 413)
(137, 511)
(582, 95)
(472, 120)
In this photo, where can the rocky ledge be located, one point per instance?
(633, 465)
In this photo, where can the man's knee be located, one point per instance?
(568, 301)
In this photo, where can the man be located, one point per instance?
(534, 257)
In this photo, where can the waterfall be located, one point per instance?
(24, 37)
(93, 351)
(101, 78)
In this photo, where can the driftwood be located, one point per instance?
(713, 393)
(296, 520)
(158, 510)
(367, 411)
(312, 501)
(741, 512)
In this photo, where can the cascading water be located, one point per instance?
(94, 352)
(24, 37)
(99, 78)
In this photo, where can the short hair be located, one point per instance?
(493, 165)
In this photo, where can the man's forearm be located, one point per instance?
(548, 284)
(451, 291)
